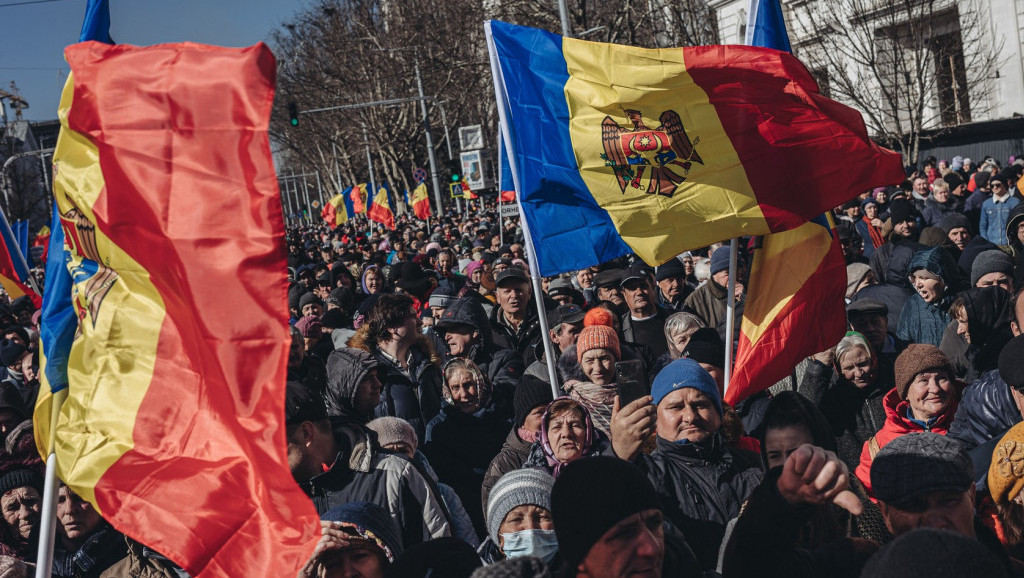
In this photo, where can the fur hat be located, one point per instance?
(917, 358)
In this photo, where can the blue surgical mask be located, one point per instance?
(539, 543)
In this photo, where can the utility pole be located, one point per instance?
(430, 138)
(369, 163)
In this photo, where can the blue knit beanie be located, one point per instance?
(685, 373)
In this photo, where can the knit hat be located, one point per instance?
(334, 319)
(593, 495)
(916, 358)
(301, 404)
(981, 179)
(1011, 368)
(935, 553)
(900, 211)
(855, 273)
(370, 522)
(597, 337)
(343, 298)
(954, 221)
(11, 352)
(706, 346)
(683, 373)
(1006, 471)
(441, 557)
(916, 464)
(514, 489)
(932, 237)
(20, 478)
(309, 326)
(957, 163)
(441, 297)
(953, 180)
(991, 261)
(599, 316)
(393, 430)
(530, 393)
(309, 299)
(720, 260)
(672, 268)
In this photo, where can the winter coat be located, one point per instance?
(986, 411)
(896, 424)
(1014, 244)
(922, 322)
(708, 302)
(460, 447)
(349, 366)
(142, 562)
(702, 486)
(522, 341)
(854, 414)
(311, 373)
(364, 474)
(630, 335)
(935, 211)
(891, 262)
(988, 324)
(512, 456)
(462, 525)
(414, 396)
(994, 217)
(101, 550)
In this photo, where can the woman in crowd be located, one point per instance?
(679, 328)
(597, 352)
(373, 280)
(566, 435)
(358, 539)
(519, 518)
(925, 399)
(20, 502)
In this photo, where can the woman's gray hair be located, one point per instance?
(680, 322)
(852, 341)
(702, 269)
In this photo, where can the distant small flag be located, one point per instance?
(358, 197)
(421, 202)
(381, 209)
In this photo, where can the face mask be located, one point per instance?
(539, 543)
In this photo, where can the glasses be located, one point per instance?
(997, 185)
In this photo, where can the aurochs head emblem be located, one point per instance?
(654, 161)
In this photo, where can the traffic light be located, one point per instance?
(454, 167)
(293, 113)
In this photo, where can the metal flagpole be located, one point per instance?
(730, 311)
(48, 529)
(531, 258)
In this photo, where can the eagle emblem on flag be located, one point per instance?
(655, 161)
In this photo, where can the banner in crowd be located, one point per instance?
(358, 198)
(381, 209)
(173, 423)
(334, 212)
(13, 273)
(421, 201)
(618, 149)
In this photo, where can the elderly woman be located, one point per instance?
(519, 519)
(566, 435)
(20, 490)
(358, 539)
(679, 328)
(1005, 482)
(925, 399)
(849, 394)
(467, 434)
(373, 280)
(597, 352)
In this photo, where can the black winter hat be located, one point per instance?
(1011, 362)
(447, 557)
(530, 393)
(343, 298)
(706, 346)
(954, 180)
(592, 495)
(949, 554)
(11, 352)
(334, 319)
(900, 211)
(975, 247)
(672, 268)
(301, 404)
(23, 303)
(954, 221)
(20, 478)
(308, 299)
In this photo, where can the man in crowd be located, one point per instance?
(645, 322)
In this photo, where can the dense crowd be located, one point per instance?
(423, 426)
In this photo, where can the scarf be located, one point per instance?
(876, 235)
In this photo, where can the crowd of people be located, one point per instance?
(422, 423)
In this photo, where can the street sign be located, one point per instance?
(456, 190)
(510, 210)
(316, 204)
(419, 175)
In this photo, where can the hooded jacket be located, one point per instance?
(988, 324)
(896, 424)
(503, 367)
(346, 368)
(363, 474)
(414, 396)
(922, 322)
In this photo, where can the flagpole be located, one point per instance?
(730, 311)
(48, 528)
(531, 258)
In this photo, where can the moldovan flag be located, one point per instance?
(334, 212)
(11, 278)
(618, 149)
(166, 197)
(380, 209)
(359, 197)
(795, 305)
(421, 202)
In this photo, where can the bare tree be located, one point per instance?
(909, 65)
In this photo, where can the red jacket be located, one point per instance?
(897, 424)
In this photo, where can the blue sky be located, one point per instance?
(34, 35)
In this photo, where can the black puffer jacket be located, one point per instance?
(855, 415)
(503, 367)
(702, 487)
(346, 368)
(986, 410)
(414, 396)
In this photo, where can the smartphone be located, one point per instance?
(630, 381)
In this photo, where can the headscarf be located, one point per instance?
(545, 443)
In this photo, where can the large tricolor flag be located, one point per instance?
(421, 201)
(616, 149)
(795, 296)
(381, 209)
(173, 423)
